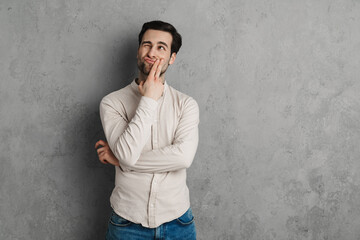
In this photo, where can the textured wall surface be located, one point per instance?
(278, 87)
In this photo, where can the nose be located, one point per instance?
(152, 52)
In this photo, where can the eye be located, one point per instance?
(161, 48)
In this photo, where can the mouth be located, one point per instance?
(150, 60)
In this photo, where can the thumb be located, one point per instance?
(140, 87)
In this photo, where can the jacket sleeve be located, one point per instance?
(127, 138)
(181, 152)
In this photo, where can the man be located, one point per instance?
(152, 134)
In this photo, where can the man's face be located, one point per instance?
(155, 45)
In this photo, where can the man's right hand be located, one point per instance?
(153, 87)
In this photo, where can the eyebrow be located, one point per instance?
(160, 42)
(163, 43)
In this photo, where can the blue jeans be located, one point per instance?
(182, 228)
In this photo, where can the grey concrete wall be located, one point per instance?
(278, 87)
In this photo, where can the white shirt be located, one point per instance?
(155, 141)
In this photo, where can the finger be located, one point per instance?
(141, 84)
(97, 144)
(101, 154)
(159, 68)
(100, 150)
(154, 67)
(105, 156)
(100, 142)
(102, 160)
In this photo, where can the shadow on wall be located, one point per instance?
(95, 181)
(122, 68)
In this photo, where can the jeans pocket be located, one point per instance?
(187, 218)
(119, 221)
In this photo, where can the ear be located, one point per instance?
(172, 58)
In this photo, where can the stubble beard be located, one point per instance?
(143, 69)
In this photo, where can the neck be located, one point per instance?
(143, 77)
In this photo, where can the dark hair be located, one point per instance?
(166, 27)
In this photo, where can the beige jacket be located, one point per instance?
(155, 141)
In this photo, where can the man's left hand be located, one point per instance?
(105, 154)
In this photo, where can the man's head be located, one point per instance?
(157, 40)
(165, 27)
